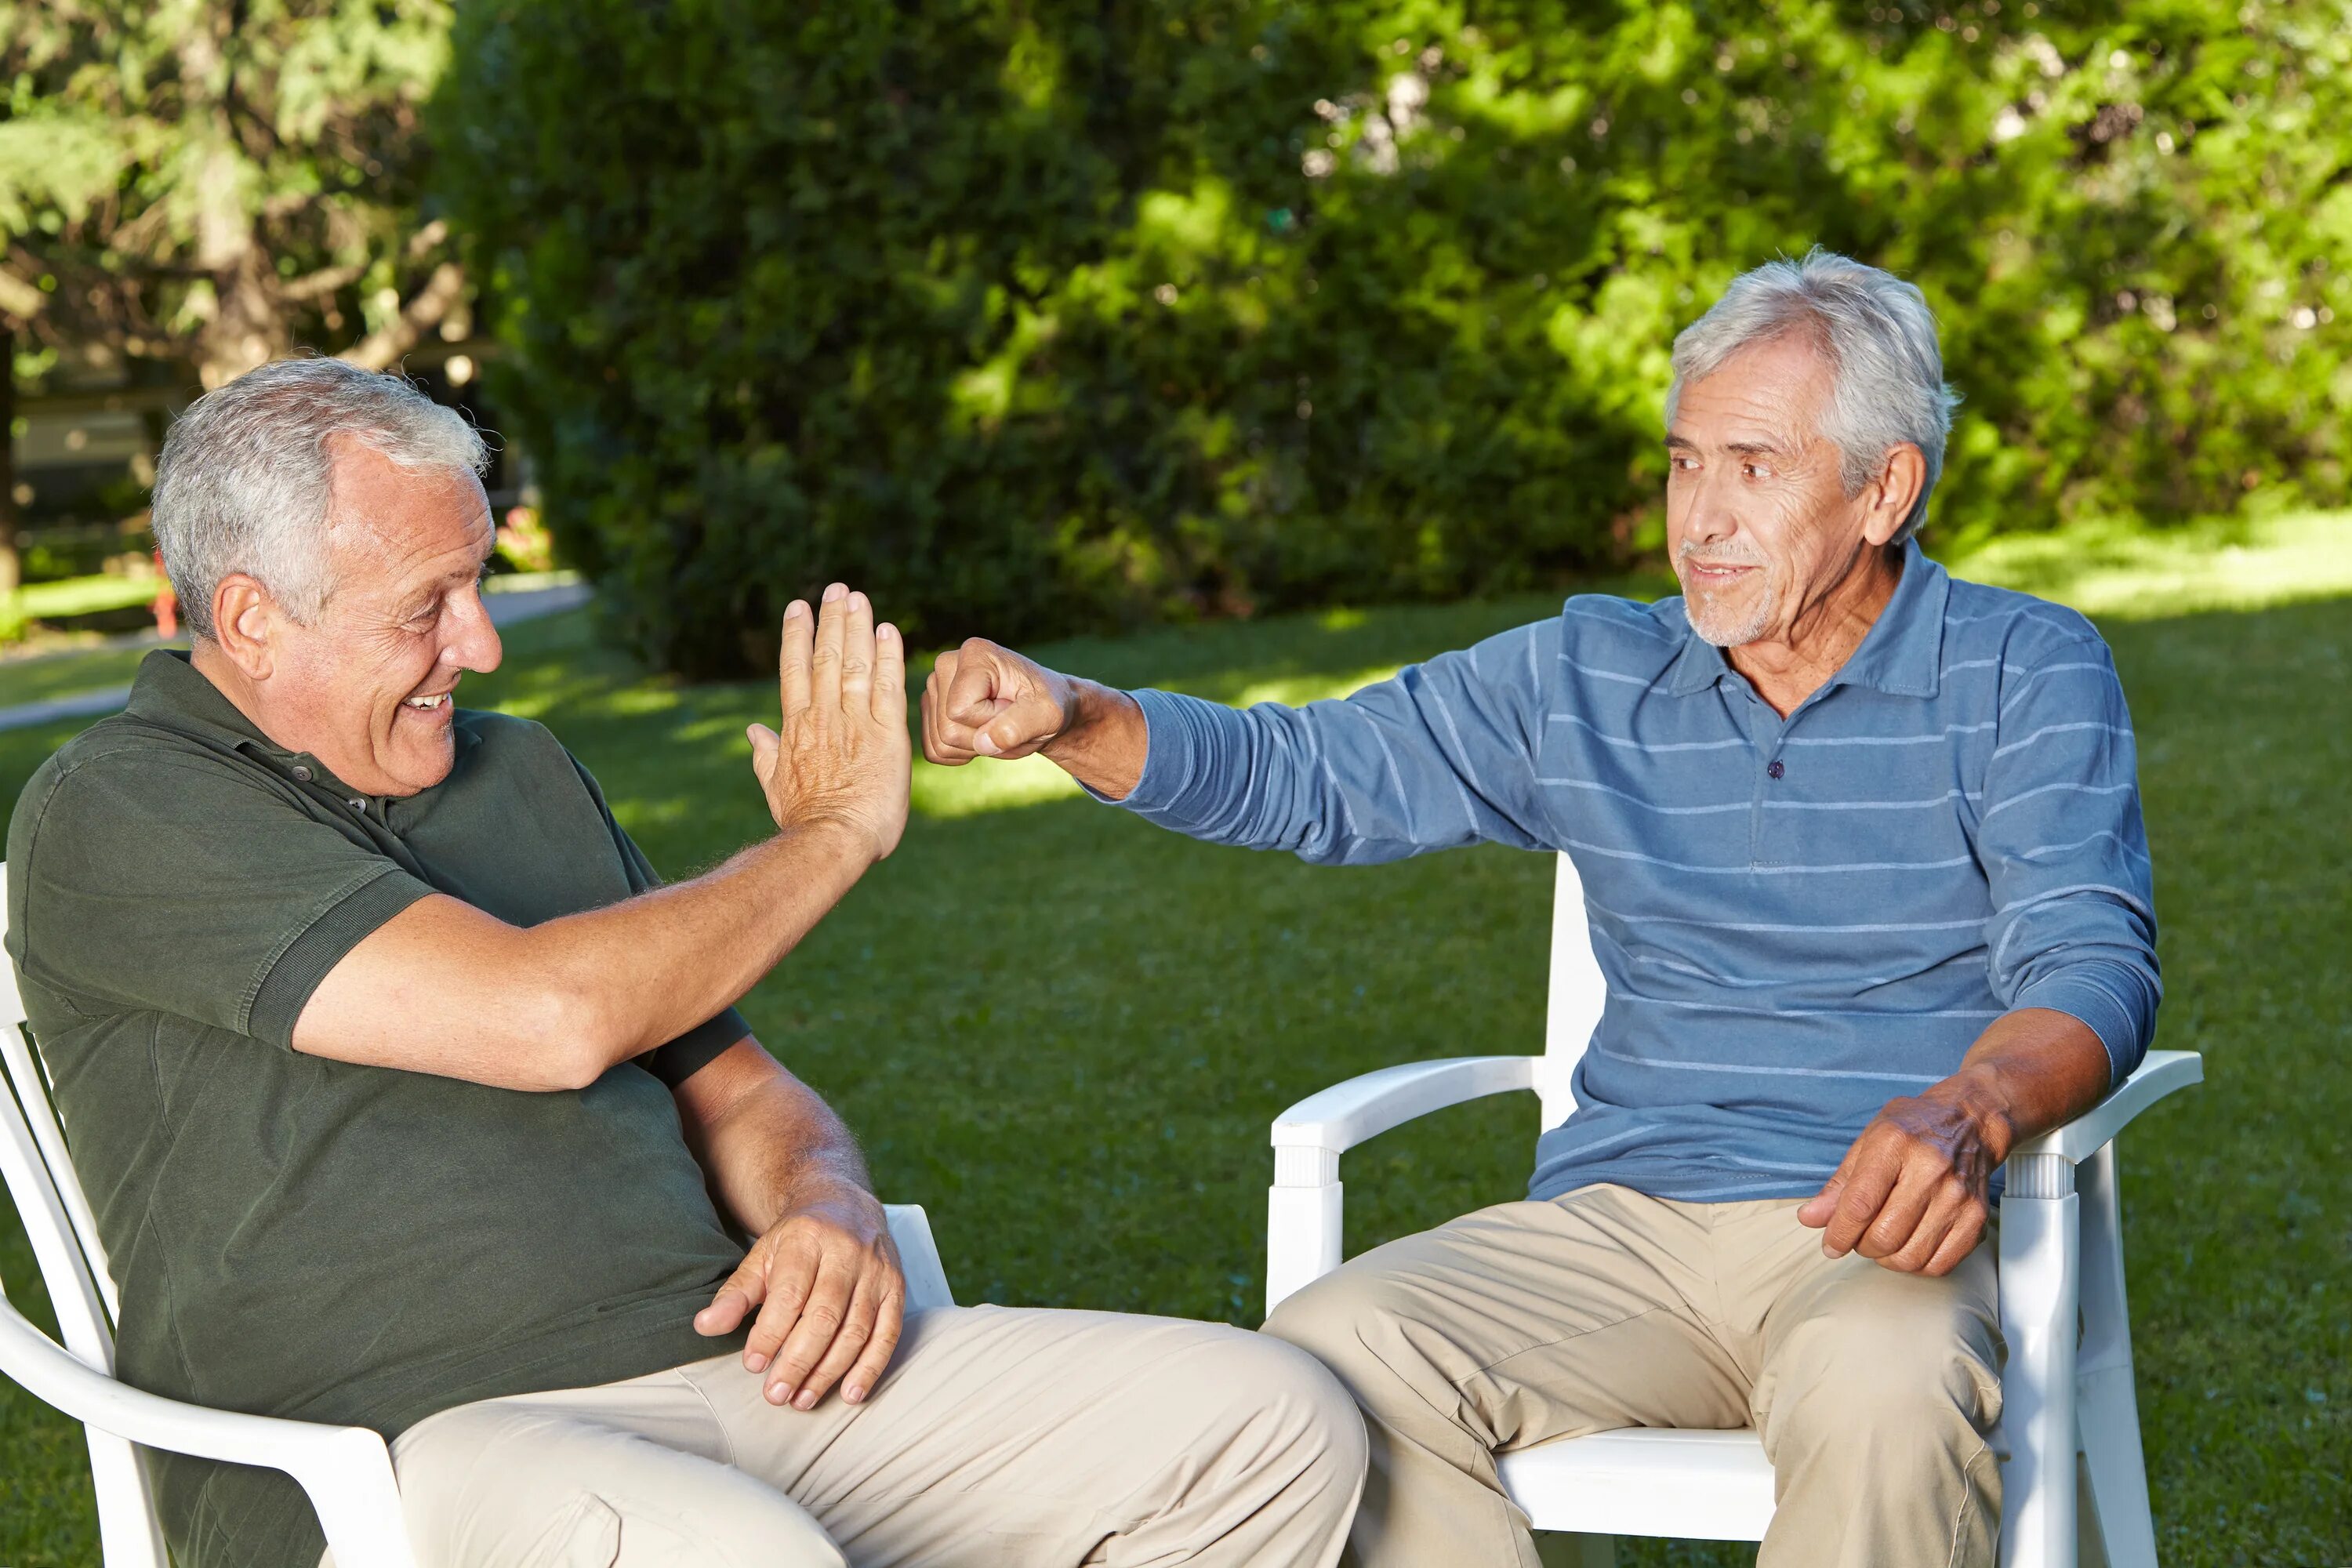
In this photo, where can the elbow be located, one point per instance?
(565, 1041)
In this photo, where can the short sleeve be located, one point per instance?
(175, 883)
(688, 1054)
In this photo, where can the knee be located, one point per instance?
(1873, 1385)
(1291, 1398)
(1335, 1319)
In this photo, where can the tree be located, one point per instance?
(1033, 316)
(208, 183)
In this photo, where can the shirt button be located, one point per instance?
(1774, 769)
(301, 774)
(359, 806)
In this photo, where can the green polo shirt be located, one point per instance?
(304, 1237)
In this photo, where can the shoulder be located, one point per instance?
(1982, 622)
(508, 743)
(126, 766)
(1604, 637)
(511, 753)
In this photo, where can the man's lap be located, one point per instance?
(997, 1435)
(1606, 1308)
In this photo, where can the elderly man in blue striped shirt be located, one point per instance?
(1861, 849)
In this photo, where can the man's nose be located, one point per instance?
(476, 644)
(1711, 516)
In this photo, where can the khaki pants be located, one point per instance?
(999, 1438)
(1872, 1391)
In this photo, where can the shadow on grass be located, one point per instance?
(1066, 1032)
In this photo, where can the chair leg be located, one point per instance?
(2039, 1281)
(2106, 1409)
(1557, 1551)
(127, 1532)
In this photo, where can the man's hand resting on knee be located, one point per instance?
(1913, 1192)
(830, 1295)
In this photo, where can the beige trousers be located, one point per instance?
(999, 1438)
(1872, 1391)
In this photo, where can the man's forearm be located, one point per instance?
(652, 967)
(1105, 742)
(444, 988)
(2032, 1071)
(770, 1145)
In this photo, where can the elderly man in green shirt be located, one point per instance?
(408, 1097)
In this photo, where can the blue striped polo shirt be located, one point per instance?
(1798, 920)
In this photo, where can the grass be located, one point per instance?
(1066, 1032)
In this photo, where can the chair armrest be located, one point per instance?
(345, 1471)
(2161, 1073)
(1348, 1113)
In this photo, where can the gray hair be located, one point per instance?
(1879, 336)
(247, 479)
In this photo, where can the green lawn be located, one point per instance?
(1066, 1032)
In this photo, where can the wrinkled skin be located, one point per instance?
(403, 619)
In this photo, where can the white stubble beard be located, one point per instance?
(1709, 618)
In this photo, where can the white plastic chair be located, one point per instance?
(2060, 1252)
(345, 1471)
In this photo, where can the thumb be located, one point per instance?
(764, 742)
(744, 1290)
(1821, 1207)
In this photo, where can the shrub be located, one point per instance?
(1032, 316)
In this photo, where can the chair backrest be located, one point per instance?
(47, 1195)
(1578, 993)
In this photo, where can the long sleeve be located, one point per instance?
(1440, 756)
(2064, 853)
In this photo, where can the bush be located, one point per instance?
(1032, 316)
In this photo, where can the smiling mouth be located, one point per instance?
(439, 699)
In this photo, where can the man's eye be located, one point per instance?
(1754, 471)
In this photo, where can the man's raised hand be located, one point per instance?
(840, 757)
(982, 701)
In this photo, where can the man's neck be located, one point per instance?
(1825, 634)
(230, 682)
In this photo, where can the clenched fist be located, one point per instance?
(840, 757)
(983, 700)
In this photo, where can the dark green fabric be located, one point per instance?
(304, 1237)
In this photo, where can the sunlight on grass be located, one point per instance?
(2128, 571)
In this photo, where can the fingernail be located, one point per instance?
(860, 601)
(855, 1394)
(834, 591)
(796, 609)
(755, 1361)
(886, 630)
(807, 1400)
(775, 1394)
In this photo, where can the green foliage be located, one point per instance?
(209, 183)
(1031, 315)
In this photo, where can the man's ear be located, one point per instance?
(1895, 493)
(246, 621)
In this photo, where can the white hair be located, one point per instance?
(1879, 337)
(247, 479)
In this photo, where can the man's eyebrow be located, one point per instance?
(1681, 444)
(1757, 448)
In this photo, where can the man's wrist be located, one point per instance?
(834, 839)
(1081, 703)
(1979, 1093)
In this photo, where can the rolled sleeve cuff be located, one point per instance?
(2102, 997)
(1178, 730)
(696, 1048)
(341, 924)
